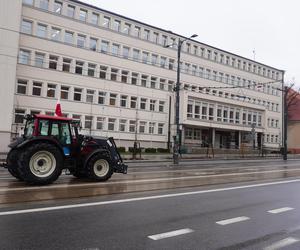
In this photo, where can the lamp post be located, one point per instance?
(177, 102)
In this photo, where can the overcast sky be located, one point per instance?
(271, 27)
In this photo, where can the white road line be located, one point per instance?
(282, 243)
(56, 186)
(100, 203)
(280, 210)
(170, 234)
(232, 220)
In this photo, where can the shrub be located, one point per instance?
(163, 150)
(121, 149)
(150, 150)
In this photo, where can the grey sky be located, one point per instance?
(271, 27)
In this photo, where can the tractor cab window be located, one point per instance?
(29, 128)
(61, 132)
(43, 127)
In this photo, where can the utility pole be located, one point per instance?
(177, 99)
(285, 121)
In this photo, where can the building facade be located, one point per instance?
(114, 74)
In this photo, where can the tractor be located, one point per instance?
(52, 143)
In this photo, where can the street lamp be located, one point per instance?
(177, 89)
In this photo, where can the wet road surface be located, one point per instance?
(145, 177)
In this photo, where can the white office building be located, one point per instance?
(115, 75)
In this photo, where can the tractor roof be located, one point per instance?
(49, 117)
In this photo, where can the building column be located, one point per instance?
(213, 137)
(240, 138)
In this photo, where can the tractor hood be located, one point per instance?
(16, 142)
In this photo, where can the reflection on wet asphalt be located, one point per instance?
(147, 178)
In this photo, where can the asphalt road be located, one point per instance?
(256, 215)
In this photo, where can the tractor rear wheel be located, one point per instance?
(99, 168)
(12, 164)
(40, 163)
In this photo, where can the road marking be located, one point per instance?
(282, 243)
(100, 203)
(170, 234)
(232, 220)
(56, 186)
(280, 210)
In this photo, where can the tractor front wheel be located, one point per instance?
(99, 168)
(40, 163)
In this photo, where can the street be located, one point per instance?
(250, 204)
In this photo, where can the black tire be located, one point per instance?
(99, 168)
(40, 163)
(12, 164)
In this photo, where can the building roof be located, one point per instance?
(170, 32)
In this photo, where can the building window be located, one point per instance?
(112, 99)
(142, 127)
(144, 80)
(161, 107)
(69, 37)
(91, 69)
(77, 94)
(79, 67)
(154, 59)
(134, 78)
(155, 37)
(24, 57)
(163, 61)
(136, 54)
(90, 95)
(53, 62)
(162, 84)
(44, 4)
(114, 74)
(88, 121)
(71, 11)
(28, 2)
(146, 35)
(125, 52)
(126, 29)
(137, 31)
(104, 46)
(22, 87)
(153, 82)
(101, 97)
(26, 27)
(133, 102)
(95, 19)
(124, 76)
(132, 126)
(123, 101)
(57, 7)
(82, 15)
(151, 127)
(51, 89)
(103, 71)
(145, 57)
(39, 60)
(116, 25)
(164, 40)
(143, 103)
(115, 49)
(66, 64)
(122, 125)
(55, 34)
(19, 115)
(160, 128)
(80, 41)
(93, 44)
(100, 123)
(111, 124)
(106, 22)
(37, 88)
(41, 30)
(64, 92)
(152, 105)
(170, 85)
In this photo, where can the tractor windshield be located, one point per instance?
(29, 128)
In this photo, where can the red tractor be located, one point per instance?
(50, 144)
